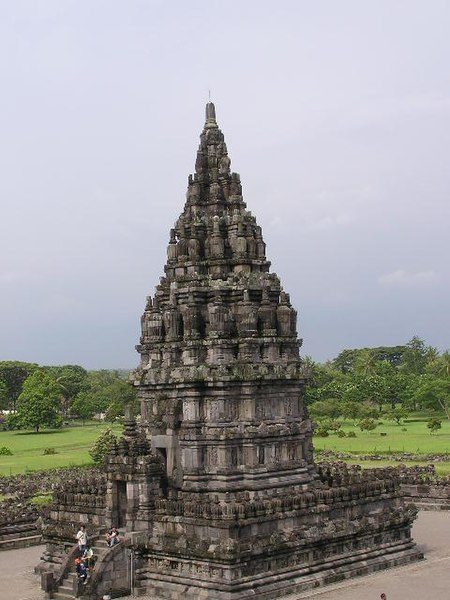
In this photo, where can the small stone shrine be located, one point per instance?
(216, 490)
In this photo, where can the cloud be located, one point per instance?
(402, 278)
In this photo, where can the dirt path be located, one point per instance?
(426, 580)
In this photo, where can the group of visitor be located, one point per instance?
(85, 561)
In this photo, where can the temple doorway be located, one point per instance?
(121, 503)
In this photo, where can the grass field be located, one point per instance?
(415, 439)
(71, 445)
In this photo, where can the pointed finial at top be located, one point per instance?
(210, 114)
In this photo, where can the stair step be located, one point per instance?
(62, 596)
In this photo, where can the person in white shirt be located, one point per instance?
(81, 538)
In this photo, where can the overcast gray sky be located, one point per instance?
(336, 114)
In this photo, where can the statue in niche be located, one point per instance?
(236, 217)
(213, 459)
(155, 327)
(247, 317)
(277, 454)
(261, 455)
(288, 406)
(172, 321)
(172, 247)
(224, 165)
(260, 244)
(219, 317)
(194, 247)
(240, 243)
(214, 191)
(214, 411)
(284, 316)
(191, 319)
(188, 411)
(267, 315)
(145, 318)
(292, 452)
(233, 410)
(235, 186)
(216, 242)
(259, 410)
(182, 245)
(251, 247)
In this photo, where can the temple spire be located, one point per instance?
(210, 115)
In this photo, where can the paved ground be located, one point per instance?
(425, 580)
(17, 578)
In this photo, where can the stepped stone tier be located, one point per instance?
(216, 490)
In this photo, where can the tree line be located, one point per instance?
(361, 384)
(45, 396)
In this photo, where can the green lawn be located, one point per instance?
(416, 439)
(71, 445)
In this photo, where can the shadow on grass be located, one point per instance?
(46, 431)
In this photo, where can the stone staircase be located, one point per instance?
(71, 587)
(67, 588)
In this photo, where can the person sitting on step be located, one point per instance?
(112, 537)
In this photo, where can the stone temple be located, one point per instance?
(216, 491)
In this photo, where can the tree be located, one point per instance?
(331, 409)
(3, 395)
(367, 424)
(351, 410)
(434, 393)
(114, 411)
(395, 383)
(102, 446)
(397, 414)
(365, 362)
(13, 374)
(440, 365)
(39, 403)
(345, 360)
(325, 382)
(444, 364)
(434, 425)
(72, 380)
(83, 406)
(416, 356)
(368, 389)
(363, 359)
(108, 387)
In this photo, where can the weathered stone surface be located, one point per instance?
(246, 513)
